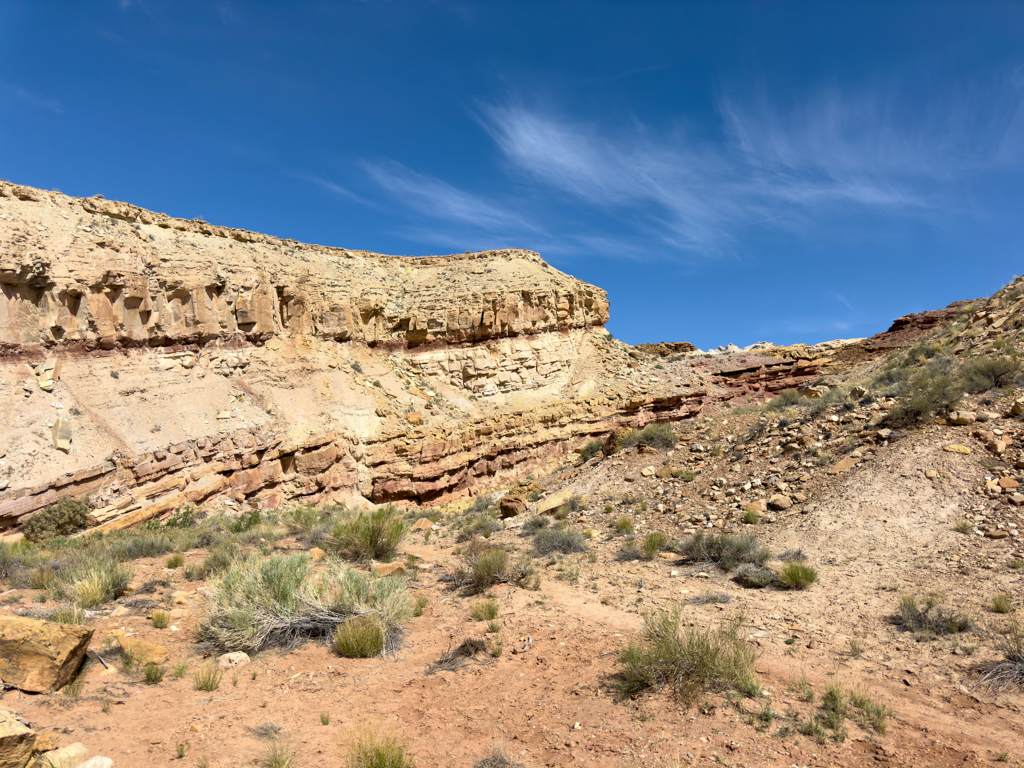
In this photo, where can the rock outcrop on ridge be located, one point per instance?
(147, 362)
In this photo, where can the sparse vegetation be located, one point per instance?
(1002, 603)
(548, 540)
(152, 673)
(624, 525)
(753, 576)
(379, 752)
(498, 758)
(928, 619)
(1009, 671)
(654, 542)
(175, 561)
(207, 679)
(484, 610)
(361, 637)
(963, 526)
(372, 535)
(687, 659)
(981, 374)
(64, 517)
(278, 602)
(160, 619)
(797, 575)
(724, 550)
(278, 755)
(590, 450)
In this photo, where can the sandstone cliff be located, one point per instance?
(149, 361)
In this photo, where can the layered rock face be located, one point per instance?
(109, 274)
(147, 362)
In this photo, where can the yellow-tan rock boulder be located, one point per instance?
(40, 656)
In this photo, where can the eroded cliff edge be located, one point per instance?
(188, 361)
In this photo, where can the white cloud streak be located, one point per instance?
(794, 169)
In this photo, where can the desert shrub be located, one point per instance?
(379, 752)
(687, 659)
(818, 405)
(710, 598)
(482, 567)
(219, 560)
(244, 522)
(660, 436)
(724, 550)
(160, 619)
(62, 518)
(1002, 603)
(624, 524)
(361, 637)
(981, 374)
(963, 526)
(751, 517)
(174, 561)
(785, 399)
(92, 581)
(66, 614)
(590, 450)
(654, 542)
(498, 758)
(372, 535)
(753, 576)
(279, 602)
(152, 673)
(797, 575)
(537, 522)
(278, 755)
(207, 679)
(484, 610)
(930, 391)
(133, 545)
(686, 475)
(928, 619)
(548, 540)
(307, 523)
(1008, 671)
(871, 715)
(16, 558)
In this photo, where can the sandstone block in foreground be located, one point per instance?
(40, 656)
(17, 741)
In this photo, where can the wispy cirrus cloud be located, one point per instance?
(799, 169)
(438, 199)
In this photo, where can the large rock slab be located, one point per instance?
(40, 656)
(16, 741)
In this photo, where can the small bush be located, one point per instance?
(537, 522)
(278, 755)
(379, 752)
(963, 526)
(484, 610)
(927, 393)
(421, 603)
(1009, 671)
(981, 374)
(562, 540)
(654, 542)
(785, 399)
(280, 603)
(624, 524)
(498, 759)
(751, 517)
(590, 450)
(93, 581)
(928, 619)
(753, 576)
(660, 436)
(175, 561)
(359, 638)
(686, 475)
(245, 522)
(207, 679)
(1002, 603)
(372, 535)
(161, 619)
(724, 550)
(67, 614)
(152, 673)
(487, 566)
(688, 659)
(307, 523)
(797, 575)
(62, 518)
(871, 715)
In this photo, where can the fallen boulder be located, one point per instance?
(40, 656)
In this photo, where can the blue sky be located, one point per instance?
(727, 171)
